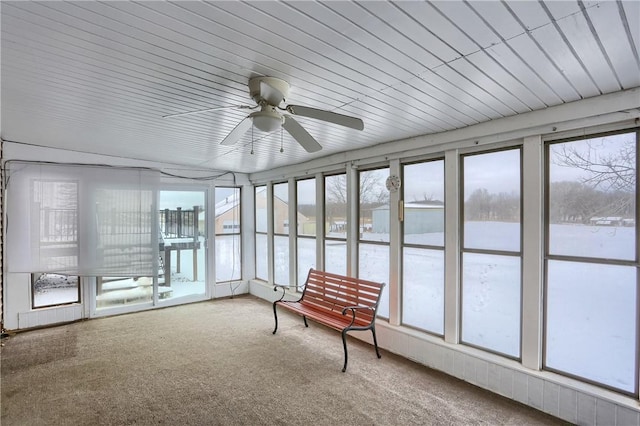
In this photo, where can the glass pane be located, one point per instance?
(306, 194)
(423, 194)
(227, 210)
(592, 190)
(591, 322)
(56, 208)
(262, 260)
(335, 257)
(306, 258)
(281, 260)
(118, 291)
(423, 289)
(261, 209)
(228, 258)
(182, 248)
(374, 205)
(126, 235)
(491, 302)
(373, 265)
(335, 214)
(281, 208)
(55, 289)
(492, 200)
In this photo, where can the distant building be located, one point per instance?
(280, 214)
(611, 221)
(227, 215)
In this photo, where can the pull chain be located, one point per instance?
(251, 139)
(281, 140)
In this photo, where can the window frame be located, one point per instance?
(547, 256)
(235, 233)
(33, 292)
(462, 250)
(298, 285)
(286, 226)
(257, 232)
(403, 244)
(359, 241)
(326, 237)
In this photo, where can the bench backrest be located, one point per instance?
(333, 292)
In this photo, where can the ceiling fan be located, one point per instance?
(268, 93)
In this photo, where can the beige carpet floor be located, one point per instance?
(217, 363)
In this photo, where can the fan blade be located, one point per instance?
(238, 132)
(270, 94)
(200, 111)
(331, 117)
(301, 135)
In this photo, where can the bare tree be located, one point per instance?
(336, 189)
(371, 189)
(608, 184)
(605, 170)
(478, 206)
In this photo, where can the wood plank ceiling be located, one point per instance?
(98, 77)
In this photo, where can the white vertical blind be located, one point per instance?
(82, 220)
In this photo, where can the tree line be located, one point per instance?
(569, 201)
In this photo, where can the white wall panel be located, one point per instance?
(586, 409)
(551, 399)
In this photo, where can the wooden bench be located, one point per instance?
(339, 302)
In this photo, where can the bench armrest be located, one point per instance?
(353, 308)
(353, 311)
(283, 288)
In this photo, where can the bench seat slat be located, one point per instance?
(343, 283)
(347, 291)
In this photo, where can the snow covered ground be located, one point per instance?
(54, 289)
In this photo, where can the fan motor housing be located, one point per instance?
(270, 89)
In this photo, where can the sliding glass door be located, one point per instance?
(181, 266)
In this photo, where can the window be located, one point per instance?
(228, 241)
(373, 231)
(181, 259)
(306, 226)
(491, 251)
(335, 216)
(423, 246)
(262, 255)
(54, 289)
(281, 233)
(182, 226)
(591, 312)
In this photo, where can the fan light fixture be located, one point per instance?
(269, 93)
(266, 121)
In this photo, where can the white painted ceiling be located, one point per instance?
(97, 77)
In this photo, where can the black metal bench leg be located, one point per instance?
(305, 321)
(375, 342)
(275, 316)
(344, 343)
